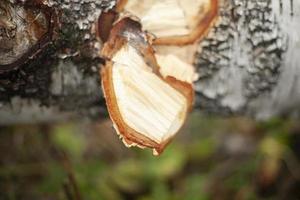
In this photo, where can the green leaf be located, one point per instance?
(68, 138)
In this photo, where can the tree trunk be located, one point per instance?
(248, 65)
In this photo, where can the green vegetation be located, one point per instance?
(212, 158)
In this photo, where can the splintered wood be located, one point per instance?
(149, 91)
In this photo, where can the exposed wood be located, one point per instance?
(147, 108)
(248, 65)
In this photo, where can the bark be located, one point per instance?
(248, 65)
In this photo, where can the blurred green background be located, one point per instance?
(211, 158)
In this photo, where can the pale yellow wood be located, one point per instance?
(175, 67)
(147, 103)
(168, 17)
